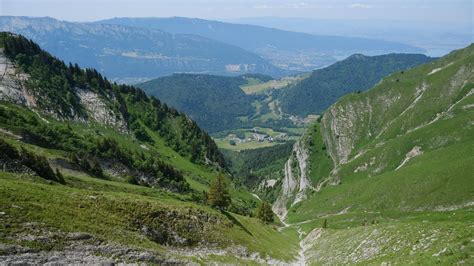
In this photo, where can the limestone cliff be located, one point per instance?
(295, 182)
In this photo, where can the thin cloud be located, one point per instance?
(359, 5)
(291, 5)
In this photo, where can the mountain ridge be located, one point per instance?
(72, 94)
(288, 50)
(357, 73)
(122, 52)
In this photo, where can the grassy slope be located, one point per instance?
(440, 178)
(320, 164)
(425, 238)
(103, 208)
(109, 209)
(198, 176)
(255, 86)
(71, 208)
(423, 212)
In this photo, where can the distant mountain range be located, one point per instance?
(437, 39)
(132, 50)
(285, 49)
(131, 54)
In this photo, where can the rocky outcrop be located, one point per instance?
(179, 228)
(295, 182)
(99, 111)
(416, 151)
(79, 249)
(12, 88)
(15, 166)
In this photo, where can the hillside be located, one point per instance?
(214, 102)
(357, 73)
(220, 105)
(97, 172)
(130, 55)
(386, 175)
(285, 49)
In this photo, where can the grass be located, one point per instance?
(198, 176)
(254, 87)
(320, 163)
(440, 178)
(418, 240)
(224, 144)
(105, 208)
(421, 213)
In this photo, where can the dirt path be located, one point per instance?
(301, 253)
(305, 240)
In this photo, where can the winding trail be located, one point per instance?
(301, 256)
(301, 259)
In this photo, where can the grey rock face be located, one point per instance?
(295, 183)
(98, 110)
(12, 87)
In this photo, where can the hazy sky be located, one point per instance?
(457, 11)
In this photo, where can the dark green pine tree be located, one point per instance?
(264, 212)
(218, 196)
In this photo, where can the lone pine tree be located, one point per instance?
(264, 212)
(219, 196)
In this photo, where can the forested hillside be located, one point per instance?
(219, 103)
(71, 93)
(83, 158)
(354, 74)
(214, 102)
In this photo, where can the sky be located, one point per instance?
(448, 11)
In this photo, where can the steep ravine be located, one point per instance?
(295, 182)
